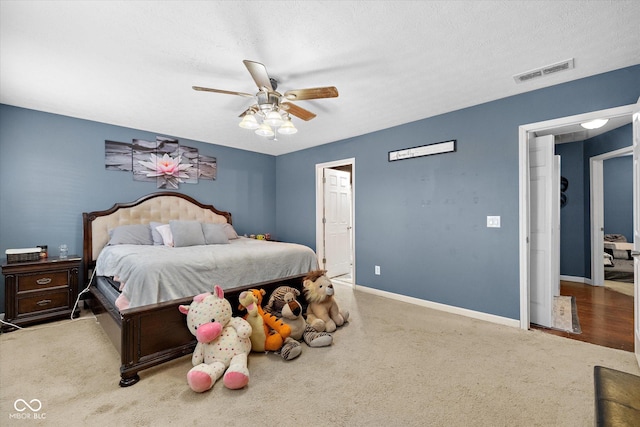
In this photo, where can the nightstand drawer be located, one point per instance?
(44, 301)
(43, 280)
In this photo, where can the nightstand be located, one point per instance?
(38, 291)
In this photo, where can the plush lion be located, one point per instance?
(323, 313)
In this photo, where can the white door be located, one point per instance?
(636, 226)
(555, 224)
(542, 256)
(337, 222)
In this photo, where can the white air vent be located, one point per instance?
(544, 71)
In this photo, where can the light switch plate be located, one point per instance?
(493, 221)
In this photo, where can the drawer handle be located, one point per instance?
(44, 281)
(44, 302)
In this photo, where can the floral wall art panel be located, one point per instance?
(207, 167)
(163, 161)
(189, 156)
(143, 151)
(117, 156)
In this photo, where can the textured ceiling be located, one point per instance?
(133, 63)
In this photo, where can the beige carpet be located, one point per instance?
(394, 364)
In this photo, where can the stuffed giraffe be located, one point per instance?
(268, 332)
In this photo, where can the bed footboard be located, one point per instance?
(151, 335)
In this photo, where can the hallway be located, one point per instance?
(606, 316)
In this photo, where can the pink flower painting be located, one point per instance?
(163, 161)
(170, 170)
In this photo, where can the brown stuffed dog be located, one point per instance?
(323, 313)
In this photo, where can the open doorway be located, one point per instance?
(603, 307)
(529, 203)
(612, 215)
(335, 193)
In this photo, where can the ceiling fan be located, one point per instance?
(271, 112)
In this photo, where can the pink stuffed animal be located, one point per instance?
(223, 342)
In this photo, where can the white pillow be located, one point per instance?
(230, 231)
(157, 238)
(165, 232)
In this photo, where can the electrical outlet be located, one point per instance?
(493, 221)
(377, 270)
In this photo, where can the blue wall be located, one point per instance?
(52, 169)
(424, 220)
(573, 216)
(618, 196)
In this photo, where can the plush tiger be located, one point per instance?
(283, 303)
(279, 298)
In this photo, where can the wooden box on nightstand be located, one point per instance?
(37, 291)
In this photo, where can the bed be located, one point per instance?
(147, 329)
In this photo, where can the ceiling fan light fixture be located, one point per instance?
(264, 130)
(249, 122)
(594, 124)
(287, 128)
(273, 118)
(270, 113)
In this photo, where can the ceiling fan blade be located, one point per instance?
(259, 74)
(228, 92)
(299, 112)
(312, 93)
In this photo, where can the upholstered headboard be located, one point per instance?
(158, 207)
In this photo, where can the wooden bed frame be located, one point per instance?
(153, 334)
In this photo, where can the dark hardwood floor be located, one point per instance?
(606, 316)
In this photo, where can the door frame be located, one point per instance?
(524, 131)
(596, 174)
(320, 246)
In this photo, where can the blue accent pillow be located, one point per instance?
(186, 233)
(135, 234)
(214, 234)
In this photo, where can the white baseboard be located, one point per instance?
(576, 279)
(443, 307)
